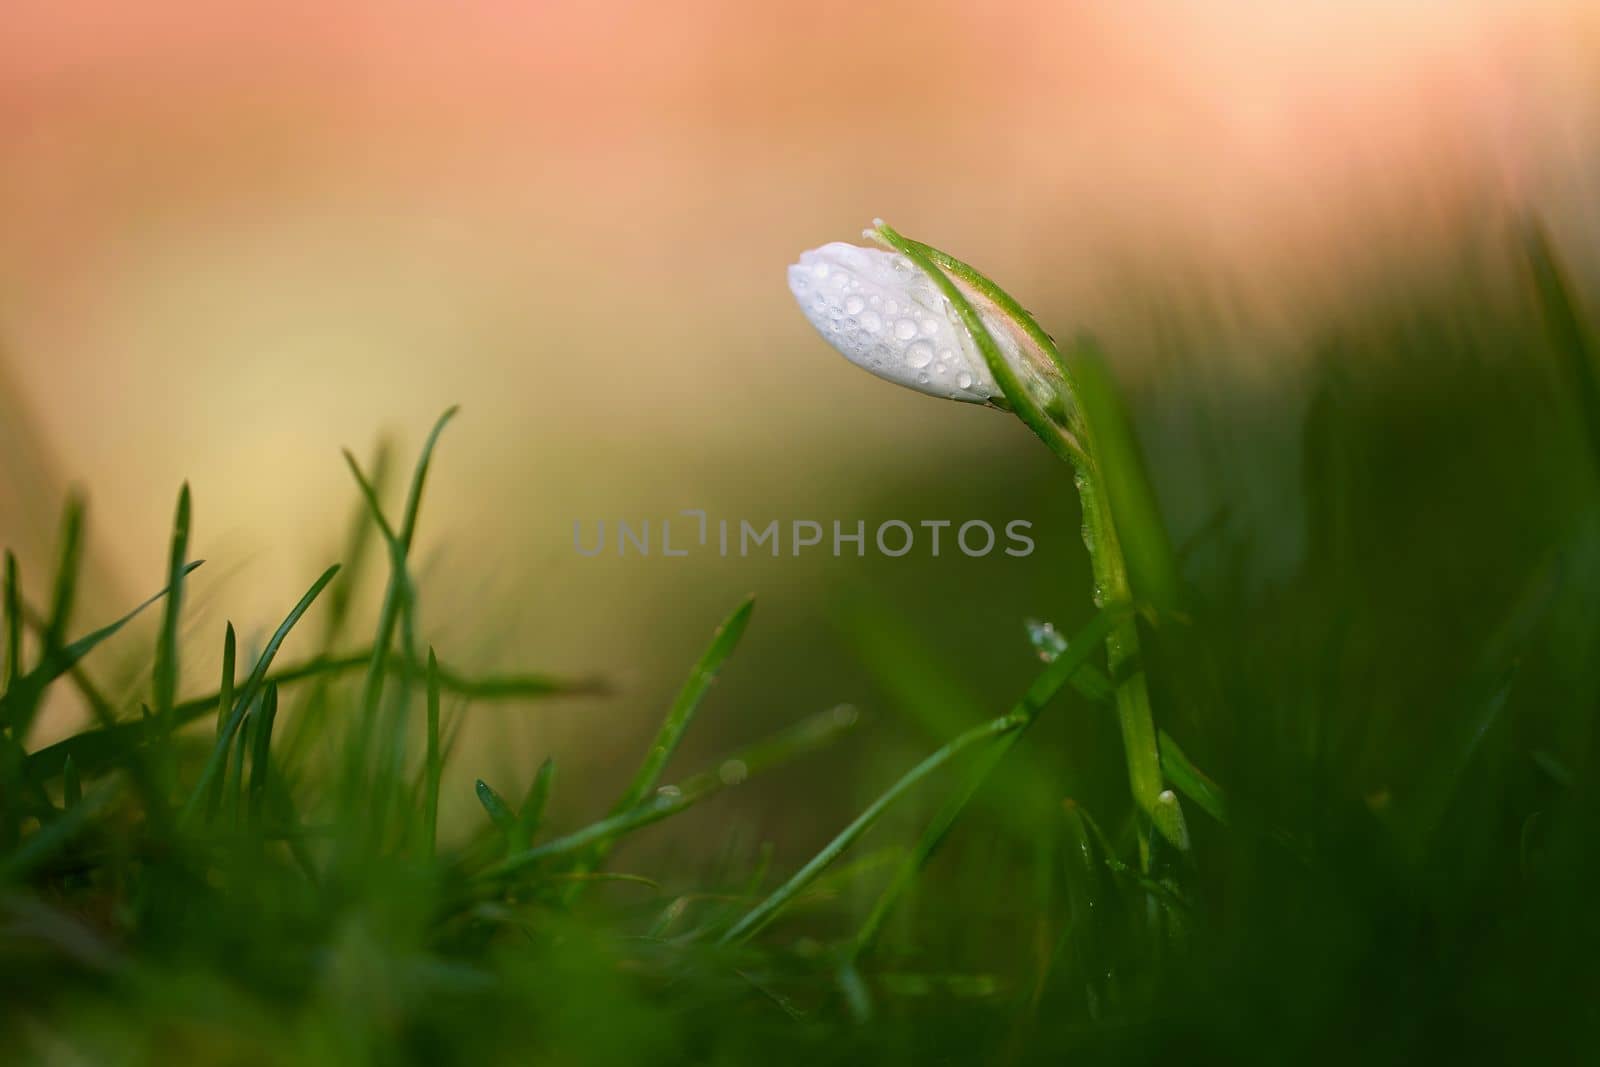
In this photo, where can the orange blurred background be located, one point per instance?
(239, 237)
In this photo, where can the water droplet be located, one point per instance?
(964, 380)
(874, 299)
(870, 321)
(821, 270)
(669, 792)
(1046, 640)
(854, 305)
(930, 326)
(923, 378)
(1099, 595)
(891, 307)
(844, 715)
(946, 355)
(733, 771)
(919, 355)
(905, 329)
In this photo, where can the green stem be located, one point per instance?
(1127, 673)
(1065, 428)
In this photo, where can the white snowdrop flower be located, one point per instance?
(888, 317)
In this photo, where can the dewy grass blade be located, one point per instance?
(252, 685)
(768, 909)
(1058, 673)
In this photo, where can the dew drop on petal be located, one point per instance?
(964, 380)
(930, 326)
(919, 355)
(854, 305)
(905, 329)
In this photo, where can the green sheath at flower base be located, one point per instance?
(989, 350)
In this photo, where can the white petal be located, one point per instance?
(887, 317)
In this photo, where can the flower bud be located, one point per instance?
(908, 314)
(888, 317)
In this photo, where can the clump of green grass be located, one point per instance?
(1387, 753)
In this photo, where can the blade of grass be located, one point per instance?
(13, 608)
(763, 913)
(55, 835)
(252, 685)
(98, 747)
(65, 592)
(25, 703)
(261, 752)
(805, 736)
(435, 764)
(1191, 781)
(1567, 330)
(223, 701)
(495, 805)
(532, 811)
(54, 665)
(71, 785)
(397, 593)
(683, 709)
(165, 681)
(679, 716)
(1056, 674)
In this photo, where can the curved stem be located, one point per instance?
(1070, 436)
